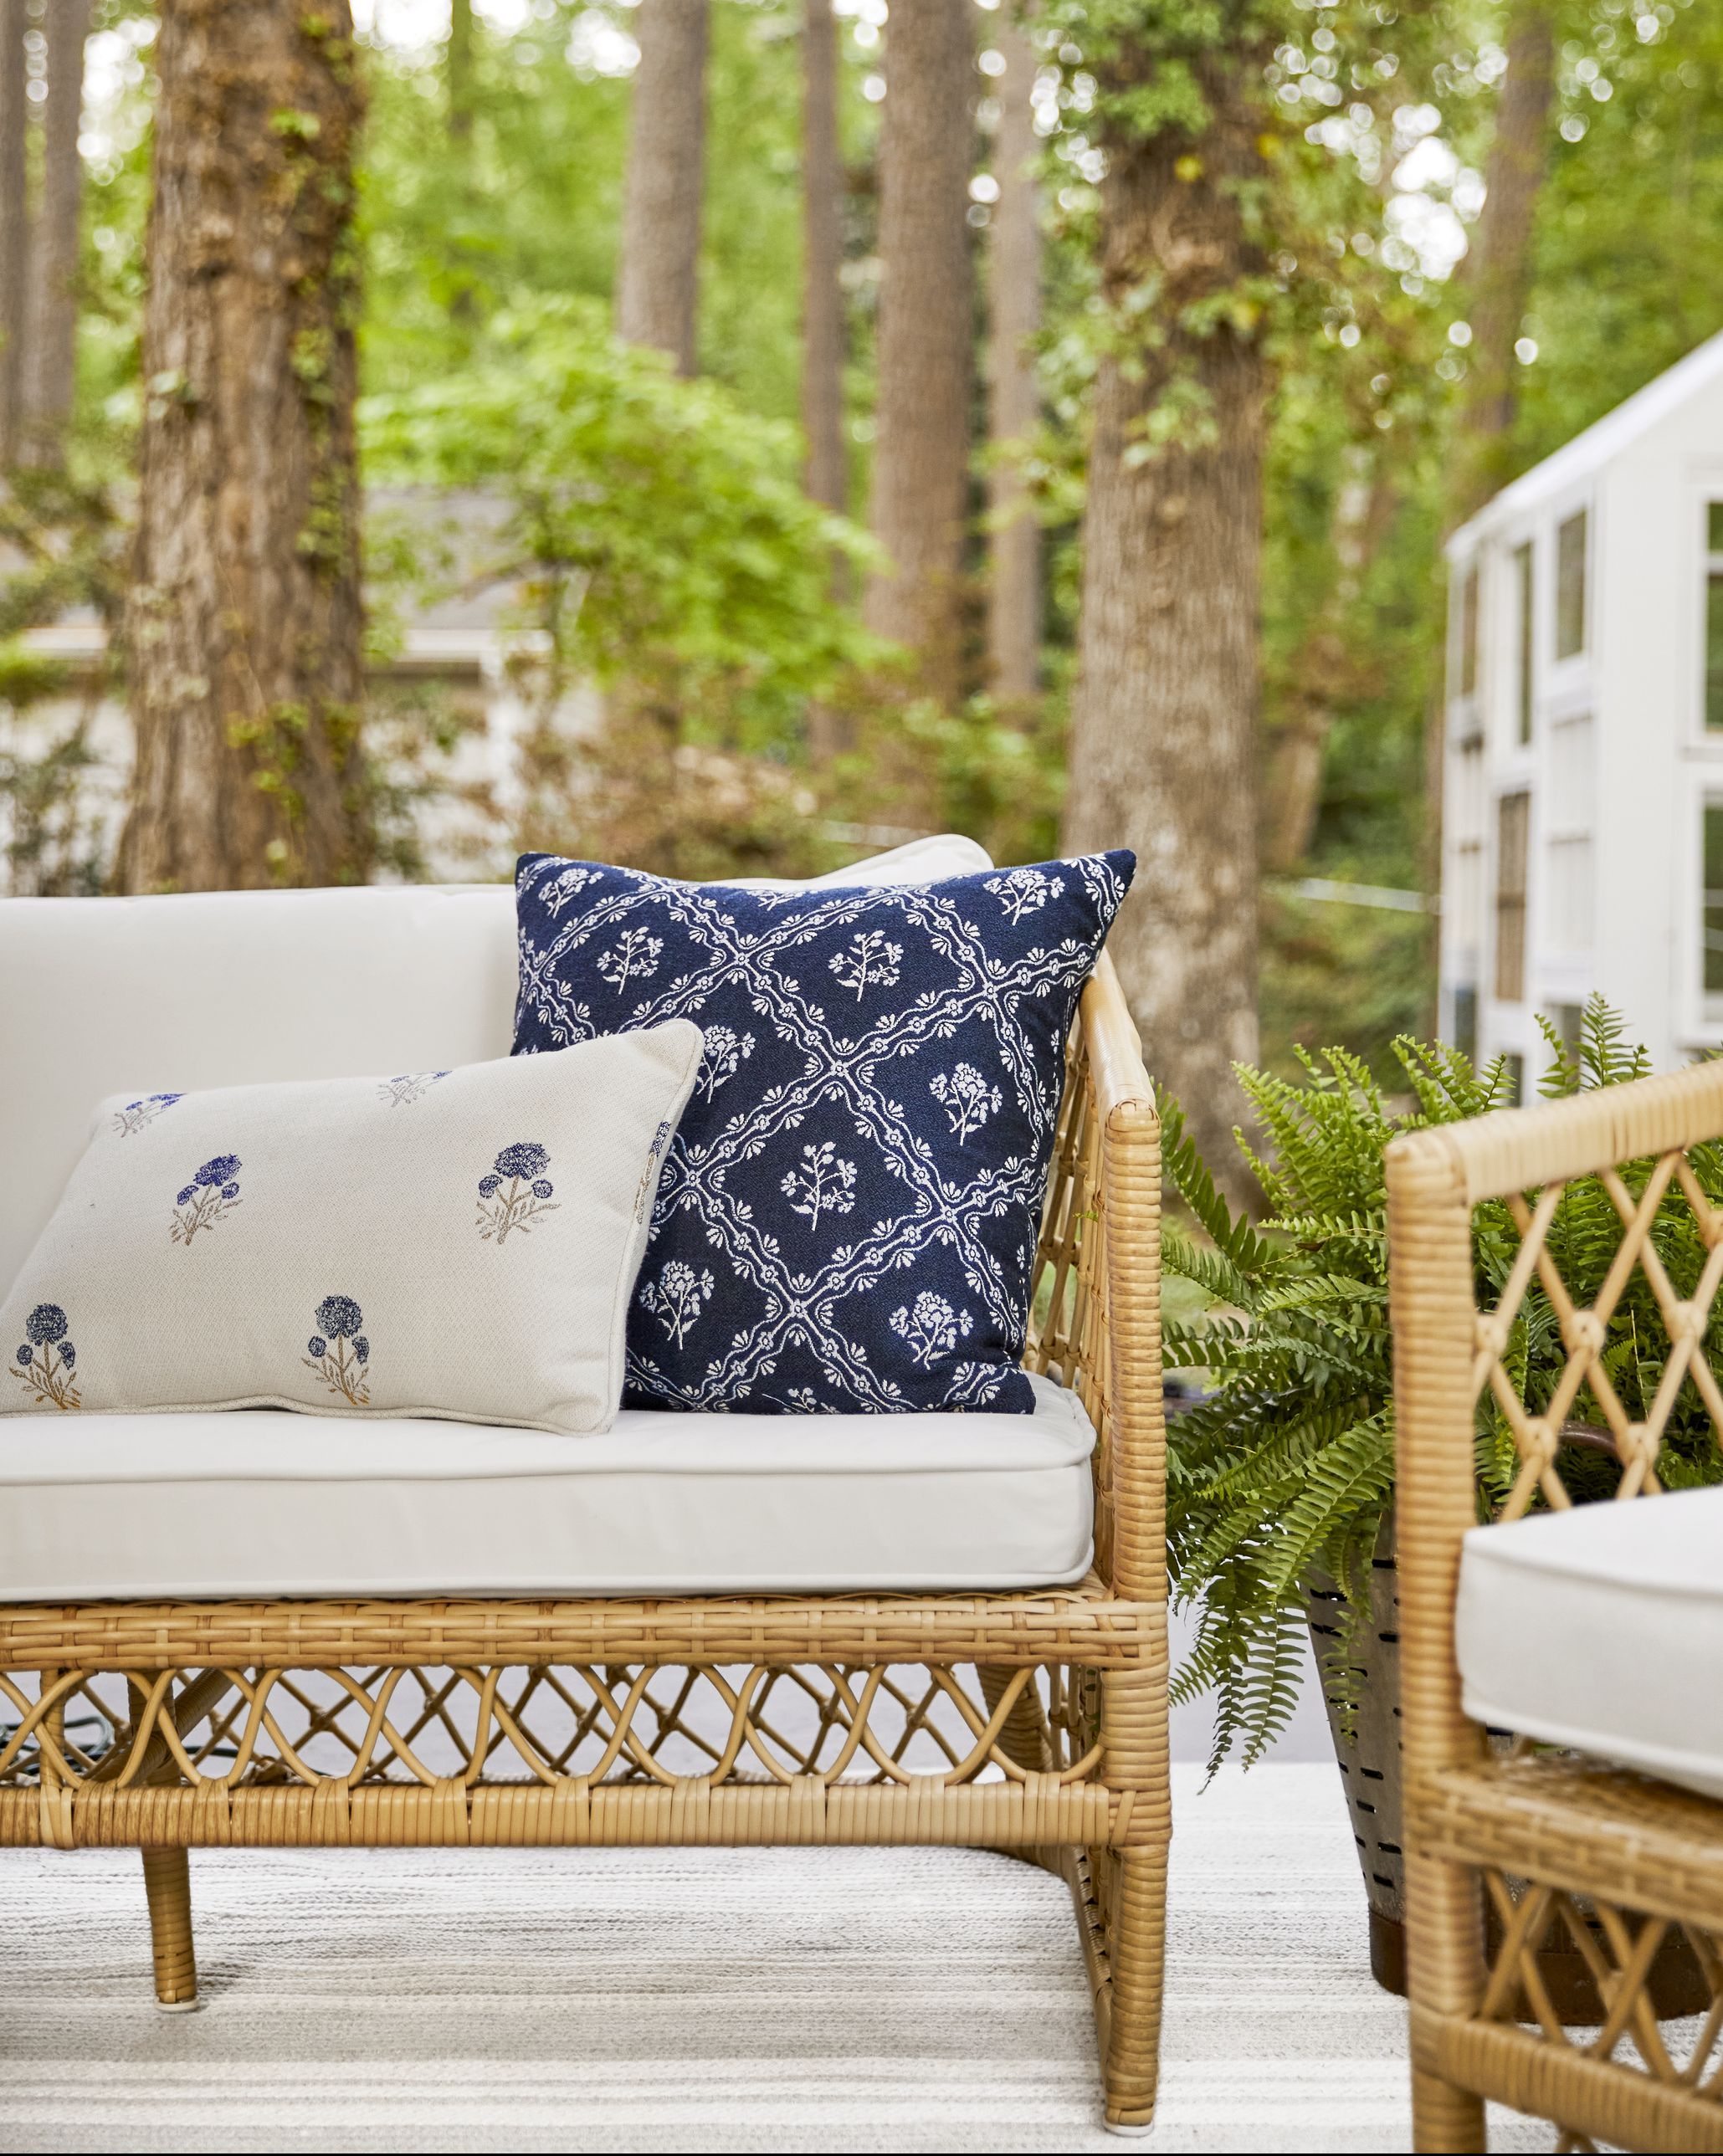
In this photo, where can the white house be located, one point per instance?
(1582, 822)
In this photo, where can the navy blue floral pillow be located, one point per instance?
(848, 1214)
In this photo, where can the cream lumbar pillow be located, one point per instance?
(459, 1243)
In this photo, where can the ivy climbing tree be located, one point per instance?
(242, 622)
(1164, 721)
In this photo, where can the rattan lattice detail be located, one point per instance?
(1670, 1208)
(674, 1726)
(1617, 1948)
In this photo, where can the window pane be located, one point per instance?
(1468, 633)
(1713, 527)
(1714, 649)
(1465, 1022)
(1522, 577)
(1516, 1078)
(1513, 814)
(1568, 1020)
(1712, 908)
(1570, 587)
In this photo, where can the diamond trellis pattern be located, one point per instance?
(662, 1724)
(1555, 1277)
(1670, 1208)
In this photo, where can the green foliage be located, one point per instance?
(657, 527)
(1285, 1467)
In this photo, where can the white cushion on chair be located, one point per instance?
(190, 1506)
(1601, 1628)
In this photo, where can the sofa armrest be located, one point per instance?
(1096, 1322)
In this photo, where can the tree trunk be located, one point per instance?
(243, 618)
(822, 242)
(1495, 283)
(827, 471)
(458, 78)
(657, 290)
(1364, 502)
(460, 61)
(51, 343)
(921, 445)
(14, 226)
(1163, 721)
(1014, 404)
(1496, 280)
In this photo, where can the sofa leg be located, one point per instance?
(167, 1887)
(1136, 1958)
(1444, 2118)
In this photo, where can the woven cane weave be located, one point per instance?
(1605, 1862)
(1034, 1722)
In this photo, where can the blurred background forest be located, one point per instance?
(782, 427)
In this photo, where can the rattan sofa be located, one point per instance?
(1032, 1720)
(1600, 1861)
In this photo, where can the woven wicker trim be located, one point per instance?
(1085, 1623)
(1581, 1827)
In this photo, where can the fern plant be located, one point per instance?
(1284, 1467)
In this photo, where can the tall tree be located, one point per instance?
(1014, 273)
(822, 261)
(243, 617)
(1325, 666)
(50, 355)
(921, 444)
(1164, 721)
(459, 62)
(658, 281)
(1496, 282)
(1494, 285)
(827, 469)
(14, 224)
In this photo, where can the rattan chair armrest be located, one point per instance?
(1132, 1482)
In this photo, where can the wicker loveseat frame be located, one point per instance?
(1606, 1862)
(691, 1722)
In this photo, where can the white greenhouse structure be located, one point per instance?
(1583, 824)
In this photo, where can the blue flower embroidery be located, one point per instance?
(207, 1199)
(342, 1358)
(402, 1093)
(138, 1115)
(47, 1358)
(514, 1194)
(525, 1161)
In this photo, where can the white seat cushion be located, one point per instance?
(1601, 1628)
(186, 1505)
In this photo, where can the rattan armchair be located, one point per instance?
(171, 1726)
(1609, 1861)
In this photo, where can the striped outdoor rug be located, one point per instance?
(735, 1999)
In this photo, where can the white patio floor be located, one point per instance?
(865, 2000)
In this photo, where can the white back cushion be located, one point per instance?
(107, 995)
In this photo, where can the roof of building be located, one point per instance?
(1603, 440)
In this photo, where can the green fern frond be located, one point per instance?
(1283, 1472)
